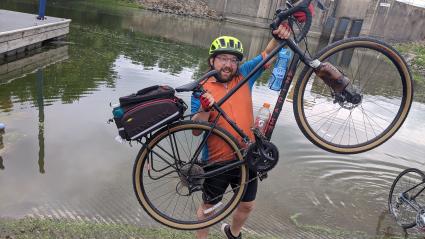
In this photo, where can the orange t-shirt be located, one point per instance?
(238, 107)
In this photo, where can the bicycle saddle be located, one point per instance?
(192, 85)
(188, 87)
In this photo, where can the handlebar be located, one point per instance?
(286, 14)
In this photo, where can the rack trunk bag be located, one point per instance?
(146, 111)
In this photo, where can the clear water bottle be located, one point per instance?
(279, 70)
(262, 119)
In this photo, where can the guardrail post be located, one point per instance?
(41, 10)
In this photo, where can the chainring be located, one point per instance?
(262, 164)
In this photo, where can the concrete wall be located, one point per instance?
(249, 12)
(387, 19)
(196, 31)
(36, 59)
(399, 22)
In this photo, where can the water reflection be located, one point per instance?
(57, 118)
(40, 106)
(14, 75)
(1, 147)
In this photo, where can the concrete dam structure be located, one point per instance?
(390, 20)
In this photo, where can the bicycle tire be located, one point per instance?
(147, 201)
(386, 58)
(394, 206)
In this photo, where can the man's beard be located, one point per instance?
(226, 74)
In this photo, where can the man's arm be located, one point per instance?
(284, 31)
(201, 116)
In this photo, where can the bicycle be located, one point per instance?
(336, 104)
(403, 201)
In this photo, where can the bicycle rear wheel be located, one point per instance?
(163, 183)
(383, 80)
(406, 185)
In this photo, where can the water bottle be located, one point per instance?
(262, 119)
(279, 70)
(118, 112)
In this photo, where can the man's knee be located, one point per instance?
(246, 207)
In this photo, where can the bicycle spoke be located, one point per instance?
(402, 201)
(163, 184)
(368, 120)
(321, 113)
(179, 195)
(355, 131)
(381, 89)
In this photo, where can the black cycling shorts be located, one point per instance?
(214, 187)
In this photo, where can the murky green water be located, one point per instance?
(59, 157)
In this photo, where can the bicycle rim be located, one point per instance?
(161, 185)
(382, 78)
(405, 183)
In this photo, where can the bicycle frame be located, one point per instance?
(409, 200)
(288, 78)
(298, 56)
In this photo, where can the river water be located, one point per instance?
(59, 158)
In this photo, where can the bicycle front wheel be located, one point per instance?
(382, 79)
(164, 169)
(407, 185)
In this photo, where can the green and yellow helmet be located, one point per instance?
(227, 44)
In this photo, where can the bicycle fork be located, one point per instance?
(332, 77)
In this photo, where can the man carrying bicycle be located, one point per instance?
(226, 53)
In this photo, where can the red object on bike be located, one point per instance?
(301, 17)
(286, 25)
(205, 103)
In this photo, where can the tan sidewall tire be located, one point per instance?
(305, 75)
(153, 213)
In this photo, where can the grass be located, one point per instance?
(64, 229)
(416, 50)
(328, 232)
(322, 230)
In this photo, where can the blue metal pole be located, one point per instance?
(41, 9)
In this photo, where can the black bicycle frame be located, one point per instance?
(410, 199)
(298, 56)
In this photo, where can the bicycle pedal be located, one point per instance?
(262, 176)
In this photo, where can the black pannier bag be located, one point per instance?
(147, 110)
